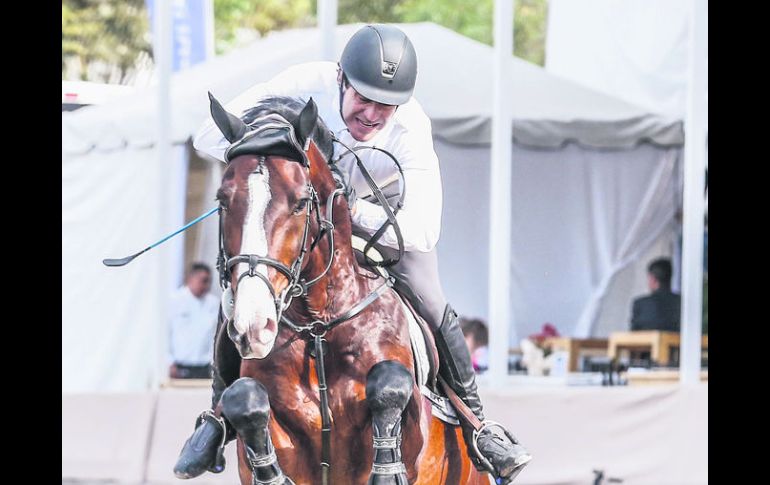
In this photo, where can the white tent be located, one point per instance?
(645, 42)
(595, 189)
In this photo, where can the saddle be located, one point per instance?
(424, 352)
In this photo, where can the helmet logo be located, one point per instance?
(389, 69)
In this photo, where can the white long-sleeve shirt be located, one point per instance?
(192, 324)
(407, 135)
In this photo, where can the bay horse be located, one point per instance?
(300, 304)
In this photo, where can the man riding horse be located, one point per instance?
(366, 100)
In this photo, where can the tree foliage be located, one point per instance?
(117, 32)
(262, 16)
(111, 32)
(472, 19)
(475, 20)
(372, 11)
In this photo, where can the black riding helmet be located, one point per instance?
(380, 63)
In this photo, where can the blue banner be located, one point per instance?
(189, 31)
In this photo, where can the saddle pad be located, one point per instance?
(419, 350)
(441, 407)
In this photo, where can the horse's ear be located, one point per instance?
(230, 125)
(319, 167)
(305, 122)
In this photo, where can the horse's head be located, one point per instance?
(271, 196)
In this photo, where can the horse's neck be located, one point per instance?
(344, 284)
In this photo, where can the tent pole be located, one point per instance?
(327, 21)
(499, 257)
(694, 205)
(163, 51)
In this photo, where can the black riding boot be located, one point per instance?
(498, 451)
(204, 450)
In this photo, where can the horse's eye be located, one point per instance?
(300, 206)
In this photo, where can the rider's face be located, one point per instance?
(199, 283)
(364, 117)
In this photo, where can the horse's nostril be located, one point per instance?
(245, 347)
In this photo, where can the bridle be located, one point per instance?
(297, 286)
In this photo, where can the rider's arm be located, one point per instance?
(420, 217)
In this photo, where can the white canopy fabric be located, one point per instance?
(635, 50)
(584, 223)
(111, 207)
(593, 177)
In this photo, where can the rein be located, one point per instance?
(391, 214)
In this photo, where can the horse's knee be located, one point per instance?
(388, 386)
(246, 402)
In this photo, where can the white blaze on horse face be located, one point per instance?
(255, 312)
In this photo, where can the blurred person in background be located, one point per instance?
(477, 339)
(192, 325)
(661, 308)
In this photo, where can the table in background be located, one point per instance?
(660, 344)
(577, 346)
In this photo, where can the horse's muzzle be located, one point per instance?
(253, 327)
(254, 343)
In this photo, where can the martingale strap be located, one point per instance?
(326, 423)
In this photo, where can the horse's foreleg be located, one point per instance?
(388, 389)
(245, 404)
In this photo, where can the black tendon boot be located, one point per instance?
(495, 449)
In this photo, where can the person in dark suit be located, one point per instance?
(660, 309)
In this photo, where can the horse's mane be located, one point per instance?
(290, 108)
